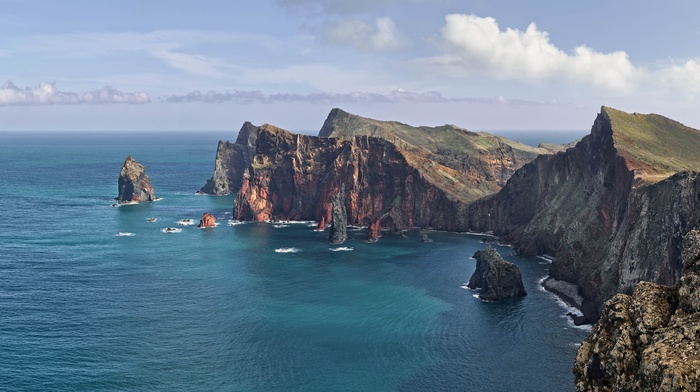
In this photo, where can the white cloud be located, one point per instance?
(363, 36)
(331, 6)
(191, 63)
(47, 94)
(684, 78)
(478, 46)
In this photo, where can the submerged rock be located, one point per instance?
(496, 277)
(208, 220)
(339, 218)
(425, 238)
(647, 341)
(134, 183)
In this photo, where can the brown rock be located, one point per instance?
(374, 231)
(208, 220)
(134, 183)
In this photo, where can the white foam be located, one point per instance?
(280, 226)
(216, 224)
(287, 250)
(233, 222)
(568, 308)
(152, 220)
(341, 249)
(185, 222)
(466, 287)
(170, 230)
(124, 234)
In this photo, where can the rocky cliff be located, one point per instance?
(231, 160)
(497, 278)
(647, 341)
(401, 175)
(611, 210)
(134, 183)
(339, 218)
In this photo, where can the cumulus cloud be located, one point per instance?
(47, 94)
(478, 45)
(363, 36)
(396, 96)
(681, 78)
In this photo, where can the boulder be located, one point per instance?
(134, 183)
(208, 220)
(496, 277)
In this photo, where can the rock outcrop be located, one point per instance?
(612, 209)
(497, 278)
(374, 231)
(649, 341)
(231, 160)
(134, 183)
(405, 176)
(339, 219)
(208, 220)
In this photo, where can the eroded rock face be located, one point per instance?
(134, 183)
(497, 278)
(609, 220)
(374, 231)
(231, 161)
(208, 220)
(339, 220)
(648, 341)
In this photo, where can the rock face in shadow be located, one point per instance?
(374, 231)
(612, 210)
(134, 183)
(231, 160)
(648, 341)
(339, 219)
(208, 220)
(497, 278)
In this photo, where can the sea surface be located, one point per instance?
(94, 297)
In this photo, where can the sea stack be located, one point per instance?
(374, 231)
(134, 183)
(339, 223)
(647, 341)
(497, 278)
(208, 220)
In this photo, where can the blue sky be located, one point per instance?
(211, 65)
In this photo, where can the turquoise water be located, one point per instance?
(84, 308)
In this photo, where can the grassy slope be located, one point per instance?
(655, 146)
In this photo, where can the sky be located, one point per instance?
(136, 65)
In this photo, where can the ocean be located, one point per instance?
(94, 297)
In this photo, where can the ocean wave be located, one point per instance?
(466, 287)
(233, 222)
(564, 305)
(280, 226)
(170, 230)
(124, 234)
(341, 249)
(287, 250)
(151, 220)
(185, 222)
(216, 224)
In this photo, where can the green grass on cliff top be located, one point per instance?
(660, 146)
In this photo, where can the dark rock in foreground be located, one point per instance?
(339, 218)
(134, 183)
(496, 277)
(649, 341)
(208, 220)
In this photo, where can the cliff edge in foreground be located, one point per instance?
(649, 341)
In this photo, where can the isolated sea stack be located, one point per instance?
(497, 278)
(339, 218)
(208, 220)
(374, 231)
(134, 183)
(647, 341)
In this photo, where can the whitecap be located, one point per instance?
(466, 287)
(341, 249)
(124, 234)
(287, 250)
(170, 230)
(280, 226)
(185, 222)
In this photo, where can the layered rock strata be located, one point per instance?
(497, 278)
(339, 219)
(612, 209)
(649, 341)
(134, 183)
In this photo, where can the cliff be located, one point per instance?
(231, 160)
(134, 183)
(647, 341)
(611, 210)
(497, 278)
(338, 233)
(403, 176)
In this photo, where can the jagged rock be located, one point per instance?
(231, 160)
(408, 176)
(374, 231)
(612, 210)
(321, 224)
(134, 183)
(208, 220)
(496, 277)
(649, 341)
(339, 219)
